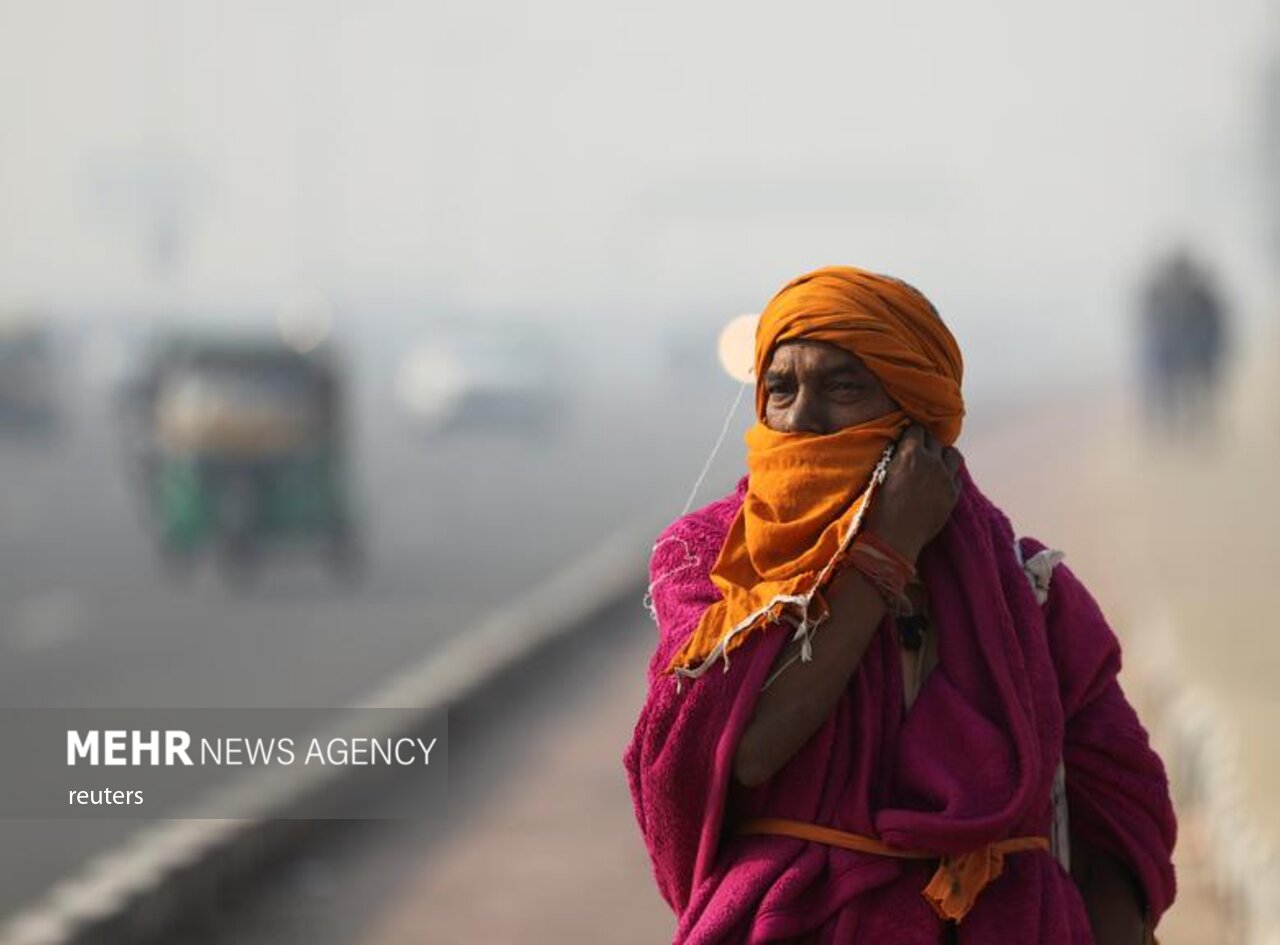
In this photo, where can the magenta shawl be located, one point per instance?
(1018, 688)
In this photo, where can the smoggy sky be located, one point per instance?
(1021, 162)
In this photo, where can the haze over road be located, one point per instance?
(456, 526)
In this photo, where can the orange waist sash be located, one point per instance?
(955, 885)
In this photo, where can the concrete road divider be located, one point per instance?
(173, 871)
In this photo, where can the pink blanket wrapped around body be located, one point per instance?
(1019, 687)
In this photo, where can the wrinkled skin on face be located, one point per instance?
(815, 387)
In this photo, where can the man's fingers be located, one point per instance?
(951, 459)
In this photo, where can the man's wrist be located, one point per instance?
(906, 547)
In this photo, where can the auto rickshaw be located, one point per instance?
(242, 449)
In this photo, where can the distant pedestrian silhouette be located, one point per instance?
(1184, 335)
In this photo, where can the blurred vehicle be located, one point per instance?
(482, 378)
(28, 381)
(238, 446)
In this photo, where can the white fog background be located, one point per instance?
(634, 166)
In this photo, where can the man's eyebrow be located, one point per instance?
(774, 374)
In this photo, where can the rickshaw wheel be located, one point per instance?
(177, 563)
(344, 555)
(238, 564)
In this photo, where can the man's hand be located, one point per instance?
(918, 494)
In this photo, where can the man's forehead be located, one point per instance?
(815, 354)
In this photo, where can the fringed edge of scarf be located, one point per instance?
(778, 607)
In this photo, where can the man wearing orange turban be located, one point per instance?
(816, 784)
(805, 495)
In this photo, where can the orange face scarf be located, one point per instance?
(806, 492)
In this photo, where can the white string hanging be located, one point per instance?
(691, 560)
(715, 450)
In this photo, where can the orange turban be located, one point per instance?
(806, 492)
(889, 325)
